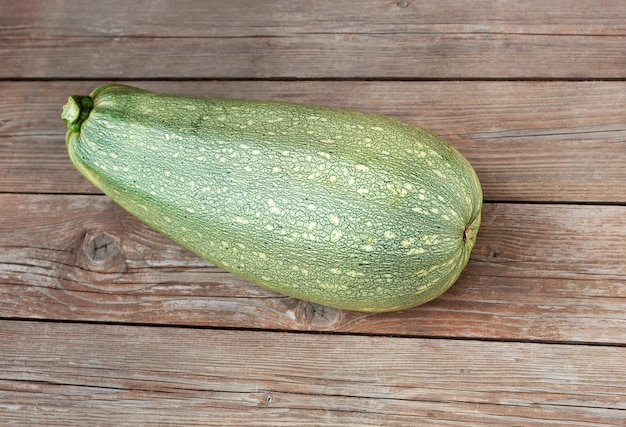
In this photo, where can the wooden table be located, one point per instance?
(103, 322)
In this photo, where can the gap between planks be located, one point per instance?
(313, 332)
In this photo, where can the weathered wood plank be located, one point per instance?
(77, 374)
(325, 39)
(550, 273)
(292, 17)
(528, 141)
(538, 272)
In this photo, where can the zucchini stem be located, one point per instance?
(76, 111)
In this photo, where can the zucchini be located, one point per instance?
(337, 207)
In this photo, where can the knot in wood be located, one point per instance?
(321, 316)
(495, 252)
(101, 247)
(102, 253)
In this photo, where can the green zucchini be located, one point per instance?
(337, 207)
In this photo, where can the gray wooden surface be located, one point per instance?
(104, 322)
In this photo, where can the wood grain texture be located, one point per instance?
(528, 141)
(538, 272)
(173, 376)
(104, 322)
(324, 39)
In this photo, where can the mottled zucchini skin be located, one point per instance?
(341, 208)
